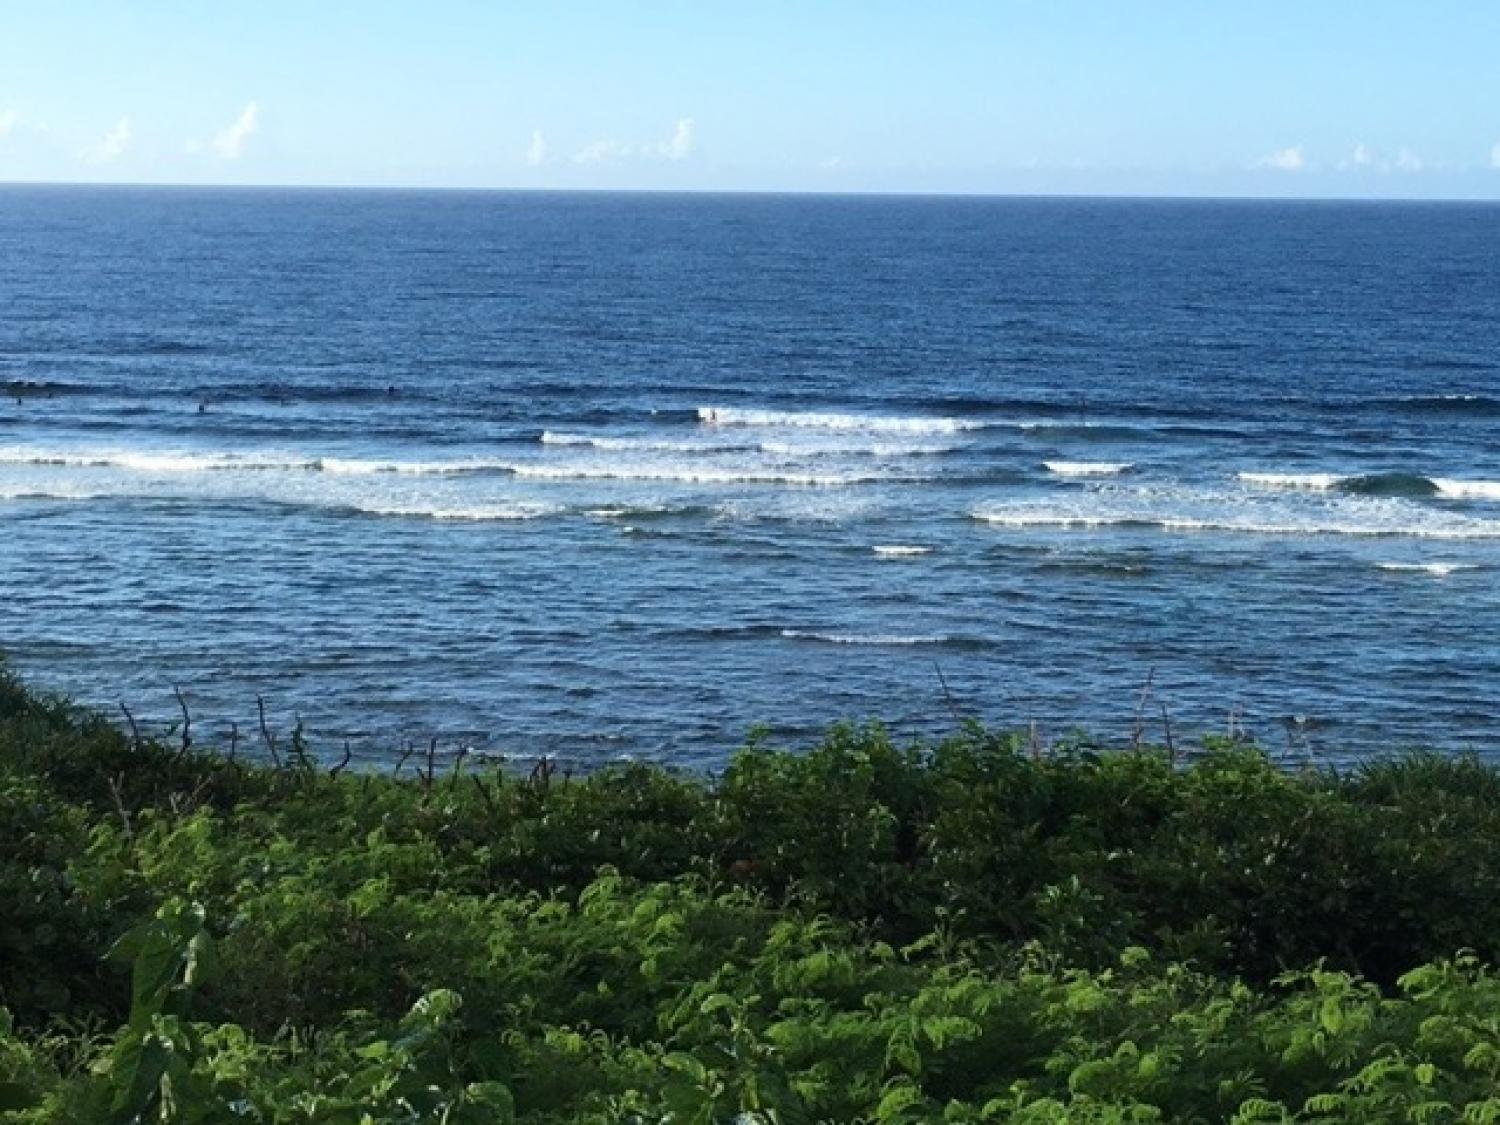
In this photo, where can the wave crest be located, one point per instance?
(734, 416)
(1087, 468)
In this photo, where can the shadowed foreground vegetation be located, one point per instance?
(863, 932)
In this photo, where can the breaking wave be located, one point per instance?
(1437, 569)
(1378, 484)
(1323, 523)
(1087, 468)
(689, 474)
(877, 639)
(734, 416)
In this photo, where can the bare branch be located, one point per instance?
(187, 724)
(115, 786)
(1166, 723)
(135, 731)
(407, 753)
(948, 695)
(1138, 732)
(265, 732)
(484, 793)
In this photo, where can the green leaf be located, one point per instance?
(14, 1096)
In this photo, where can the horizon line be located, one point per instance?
(886, 193)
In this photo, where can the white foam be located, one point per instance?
(899, 550)
(354, 466)
(643, 444)
(1315, 482)
(1354, 517)
(853, 448)
(1439, 570)
(692, 474)
(482, 513)
(1468, 489)
(1087, 468)
(50, 494)
(897, 639)
(731, 416)
(152, 461)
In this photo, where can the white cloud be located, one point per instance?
(1363, 156)
(1284, 160)
(9, 119)
(1495, 156)
(601, 152)
(536, 152)
(1408, 161)
(680, 145)
(112, 146)
(229, 143)
(832, 164)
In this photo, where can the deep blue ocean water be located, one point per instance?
(604, 475)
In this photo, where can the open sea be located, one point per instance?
(626, 475)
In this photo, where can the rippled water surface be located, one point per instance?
(607, 475)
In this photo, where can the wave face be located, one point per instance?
(596, 474)
(1378, 484)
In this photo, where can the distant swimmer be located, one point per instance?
(203, 406)
(711, 416)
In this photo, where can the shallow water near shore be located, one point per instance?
(605, 475)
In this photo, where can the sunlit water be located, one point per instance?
(626, 475)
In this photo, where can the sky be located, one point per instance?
(1158, 97)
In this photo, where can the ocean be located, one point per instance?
(611, 476)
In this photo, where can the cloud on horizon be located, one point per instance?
(536, 152)
(1408, 161)
(229, 143)
(1284, 160)
(112, 146)
(678, 147)
(9, 119)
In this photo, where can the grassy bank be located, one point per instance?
(865, 931)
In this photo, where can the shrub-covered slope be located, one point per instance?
(865, 931)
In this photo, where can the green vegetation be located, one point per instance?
(864, 932)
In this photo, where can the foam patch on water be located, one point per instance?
(51, 494)
(1317, 482)
(478, 513)
(1087, 468)
(1468, 489)
(899, 640)
(153, 461)
(669, 472)
(1193, 510)
(1378, 484)
(354, 466)
(899, 550)
(1436, 569)
(640, 444)
(732, 416)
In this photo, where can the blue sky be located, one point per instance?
(1210, 97)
